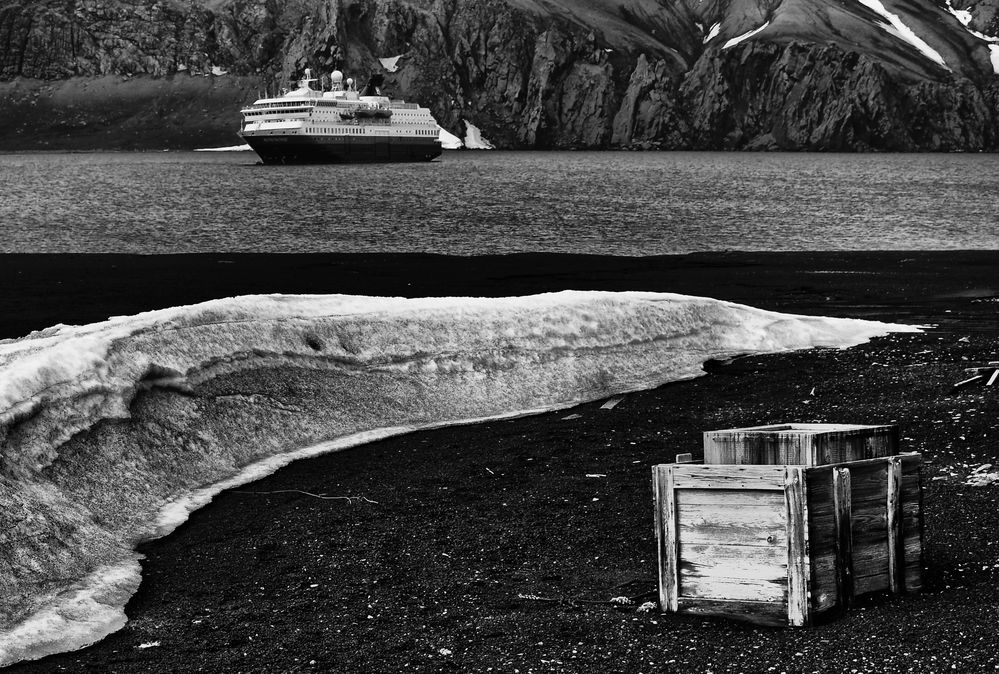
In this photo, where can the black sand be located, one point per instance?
(470, 520)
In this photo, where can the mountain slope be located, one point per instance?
(767, 74)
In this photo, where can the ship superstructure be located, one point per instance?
(339, 125)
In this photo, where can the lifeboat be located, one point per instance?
(373, 113)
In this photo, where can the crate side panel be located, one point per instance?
(732, 544)
(799, 444)
(855, 445)
(754, 448)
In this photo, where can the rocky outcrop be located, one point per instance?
(820, 98)
(558, 74)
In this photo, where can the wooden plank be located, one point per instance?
(821, 538)
(824, 593)
(870, 569)
(736, 589)
(913, 576)
(713, 515)
(869, 482)
(913, 521)
(695, 476)
(871, 556)
(741, 555)
(819, 480)
(869, 531)
(964, 382)
(842, 524)
(666, 535)
(798, 613)
(686, 457)
(869, 584)
(893, 507)
(730, 564)
(731, 498)
(821, 531)
(772, 614)
(612, 403)
(744, 535)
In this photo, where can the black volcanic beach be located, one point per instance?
(488, 546)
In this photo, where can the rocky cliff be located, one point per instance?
(698, 74)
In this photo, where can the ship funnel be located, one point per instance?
(374, 85)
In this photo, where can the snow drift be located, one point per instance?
(111, 433)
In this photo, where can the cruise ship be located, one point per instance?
(340, 125)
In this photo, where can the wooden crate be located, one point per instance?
(782, 545)
(799, 444)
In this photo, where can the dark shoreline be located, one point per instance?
(471, 519)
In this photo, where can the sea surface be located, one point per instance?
(468, 202)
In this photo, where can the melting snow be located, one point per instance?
(449, 141)
(713, 33)
(900, 30)
(459, 360)
(86, 612)
(745, 36)
(218, 72)
(391, 64)
(229, 148)
(965, 17)
(474, 139)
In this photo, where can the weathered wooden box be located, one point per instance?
(782, 545)
(799, 444)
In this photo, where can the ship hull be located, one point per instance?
(298, 149)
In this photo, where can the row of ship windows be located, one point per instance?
(254, 113)
(340, 130)
(360, 130)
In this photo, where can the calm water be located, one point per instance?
(492, 202)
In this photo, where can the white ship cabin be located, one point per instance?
(340, 111)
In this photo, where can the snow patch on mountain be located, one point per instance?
(745, 36)
(894, 26)
(713, 32)
(391, 63)
(963, 15)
